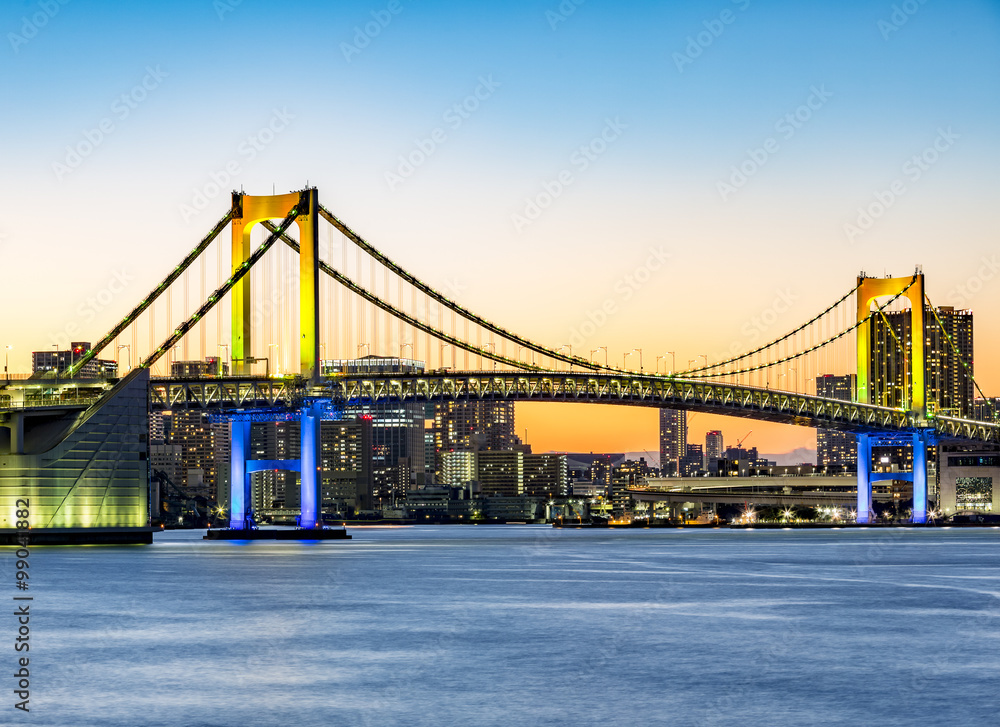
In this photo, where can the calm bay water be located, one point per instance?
(504, 625)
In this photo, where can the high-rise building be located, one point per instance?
(545, 475)
(947, 365)
(397, 428)
(347, 481)
(501, 473)
(472, 426)
(673, 441)
(986, 410)
(694, 461)
(836, 449)
(626, 475)
(714, 446)
(458, 468)
(194, 431)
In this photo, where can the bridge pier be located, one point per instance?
(311, 464)
(865, 513)
(239, 490)
(919, 477)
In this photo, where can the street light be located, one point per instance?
(364, 345)
(404, 345)
(127, 348)
(570, 347)
(600, 348)
(796, 378)
(532, 354)
(225, 346)
(640, 357)
(441, 355)
(269, 347)
(6, 355)
(494, 347)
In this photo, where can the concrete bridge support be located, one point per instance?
(919, 477)
(865, 512)
(311, 464)
(239, 483)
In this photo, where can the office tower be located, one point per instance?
(545, 475)
(397, 428)
(694, 461)
(986, 410)
(458, 468)
(833, 448)
(196, 434)
(347, 480)
(501, 473)
(626, 475)
(673, 441)
(713, 444)
(472, 426)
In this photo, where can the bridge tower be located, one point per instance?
(911, 288)
(248, 211)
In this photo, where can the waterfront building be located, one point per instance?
(501, 473)
(969, 477)
(545, 475)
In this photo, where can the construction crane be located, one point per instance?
(739, 443)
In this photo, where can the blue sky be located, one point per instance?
(888, 90)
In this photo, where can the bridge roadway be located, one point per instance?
(631, 389)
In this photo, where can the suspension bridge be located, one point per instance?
(294, 289)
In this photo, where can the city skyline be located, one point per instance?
(649, 226)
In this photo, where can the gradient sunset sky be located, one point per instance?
(683, 92)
